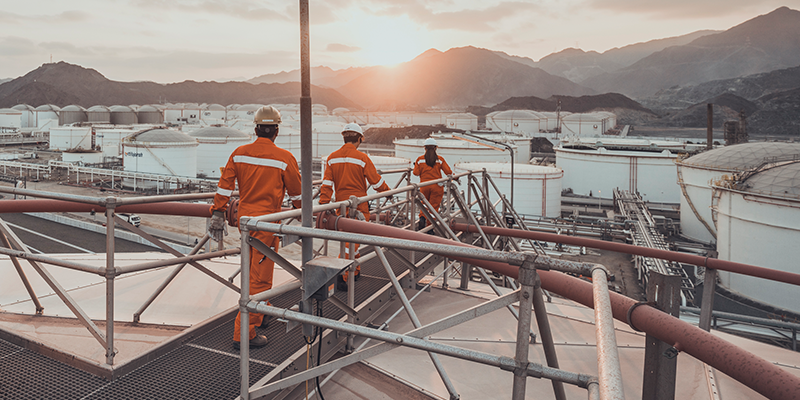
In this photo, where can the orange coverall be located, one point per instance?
(426, 173)
(348, 171)
(264, 172)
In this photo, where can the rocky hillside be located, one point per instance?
(762, 44)
(63, 84)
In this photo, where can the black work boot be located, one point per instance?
(256, 342)
(422, 223)
(341, 284)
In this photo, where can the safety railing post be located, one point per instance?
(528, 280)
(244, 314)
(660, 359)
(707, 303)
(110, 274)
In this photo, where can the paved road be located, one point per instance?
(50, 237)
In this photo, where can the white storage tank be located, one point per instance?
(82, 157)
(464, 121)
(123, 115)
(598, 165)
(215, 145)
(64, 138)
(457, 150)
(245, 112)
(696, 173)
(326, 137)
(45, 114)
(99, 115)
(10, 118)
(581, 125)
(148, 114)
(517, 121)
(160, 151)
(758, 221)
(214, 114)
(537, 189)
(340, 111)
(72, 114)
(108, 139)
(28, 117)
(319, 109)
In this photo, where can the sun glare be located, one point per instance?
(390, 41)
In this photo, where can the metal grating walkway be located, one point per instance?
(207, 367)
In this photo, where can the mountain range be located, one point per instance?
(754, 65)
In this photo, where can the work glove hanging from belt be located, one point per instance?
(217, 228)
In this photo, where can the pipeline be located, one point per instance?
(722, 265)
(741, 365)
(163, 208)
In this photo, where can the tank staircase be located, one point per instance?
(644, 233)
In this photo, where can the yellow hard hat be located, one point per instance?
(267, 115)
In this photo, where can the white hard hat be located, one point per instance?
(352, 127)
(430, 142)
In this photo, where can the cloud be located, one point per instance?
(679, 9)
(469, 20)
(64, 17)
(341, 48)
(242, 9)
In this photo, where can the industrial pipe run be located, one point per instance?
(714, 263)
(749, 369)
(161, 208)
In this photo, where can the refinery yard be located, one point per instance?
(615, 266)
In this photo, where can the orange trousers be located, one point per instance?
(434, 194)
(260, 279)
(364, 208)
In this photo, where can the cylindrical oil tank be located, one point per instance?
(161, 151)
(10, 118)
(245, 112)
(340, 111)
(82, 157)
(214, 114)
(28, 115)
(583, 124)
(72, 114)
(215, 145)
(517, 121)
(99, 115)
(149, 115)
(123, 115)
(758, 223)
(597, 166)
(456, 150)
(319, 109)
(109, 139)
(696, 173)
(65, 138)
(326, 137)
(465, 121)
(45, 114)
(537, 189)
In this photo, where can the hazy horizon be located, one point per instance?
(173, 41)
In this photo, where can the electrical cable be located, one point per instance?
(319, 349)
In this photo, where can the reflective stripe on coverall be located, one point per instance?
(348, 171)
(265, 172)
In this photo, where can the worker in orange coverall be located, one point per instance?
(264, 173)
(428, 167)
(347, 172)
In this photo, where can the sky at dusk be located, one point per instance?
(176, 40)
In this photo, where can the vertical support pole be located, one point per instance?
(110, 274)
(547, 337)
(659, 368)
(351, 277)
(710, 127)
(529, 280)
(707, 304)
(244, 320)
(305, 145)
(608, 364)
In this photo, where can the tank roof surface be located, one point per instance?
(743, 157)
(218, 132)
(781, 181)
(161, 135)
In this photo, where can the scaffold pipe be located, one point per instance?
(751, 370)
(722, 265)
(163, 208)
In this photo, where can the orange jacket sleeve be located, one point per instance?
(373, 177)
(445, 167)
(326, 190)
(225, 187)
(292, 182)
(417, 169)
